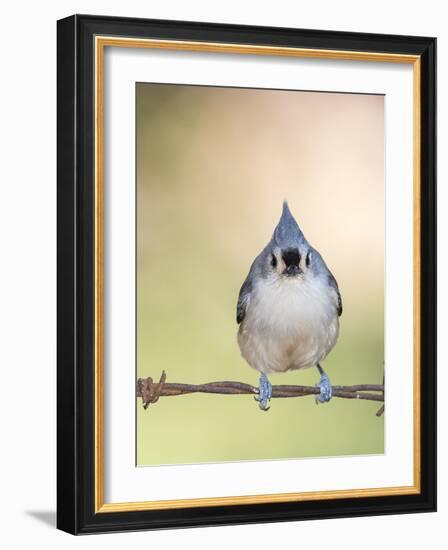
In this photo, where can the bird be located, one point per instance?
(288, 309)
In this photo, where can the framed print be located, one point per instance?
(246, 274)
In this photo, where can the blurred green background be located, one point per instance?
(213, 167)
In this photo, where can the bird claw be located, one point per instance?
(264, 393)
(263, 404)
(325, 389)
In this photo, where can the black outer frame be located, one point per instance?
(75, 294)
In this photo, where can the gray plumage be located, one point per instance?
(289, 304)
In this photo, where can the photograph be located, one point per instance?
(246, 274)
(260, 261)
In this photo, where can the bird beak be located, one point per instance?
(292, 270)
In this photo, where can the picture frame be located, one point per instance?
(82, 41)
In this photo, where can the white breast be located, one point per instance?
(289, 324)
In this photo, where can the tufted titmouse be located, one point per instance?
(288, 309)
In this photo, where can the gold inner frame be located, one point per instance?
(101, 42)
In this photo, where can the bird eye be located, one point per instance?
(273, 261)
(308, 259)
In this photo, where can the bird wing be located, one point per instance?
(333, 283)
(243, 299)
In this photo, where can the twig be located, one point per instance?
(150, 391)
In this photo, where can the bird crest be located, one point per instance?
(287, 233)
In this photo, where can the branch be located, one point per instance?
(150, 391)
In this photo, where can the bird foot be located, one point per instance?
(264, 393)
(325, 388)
